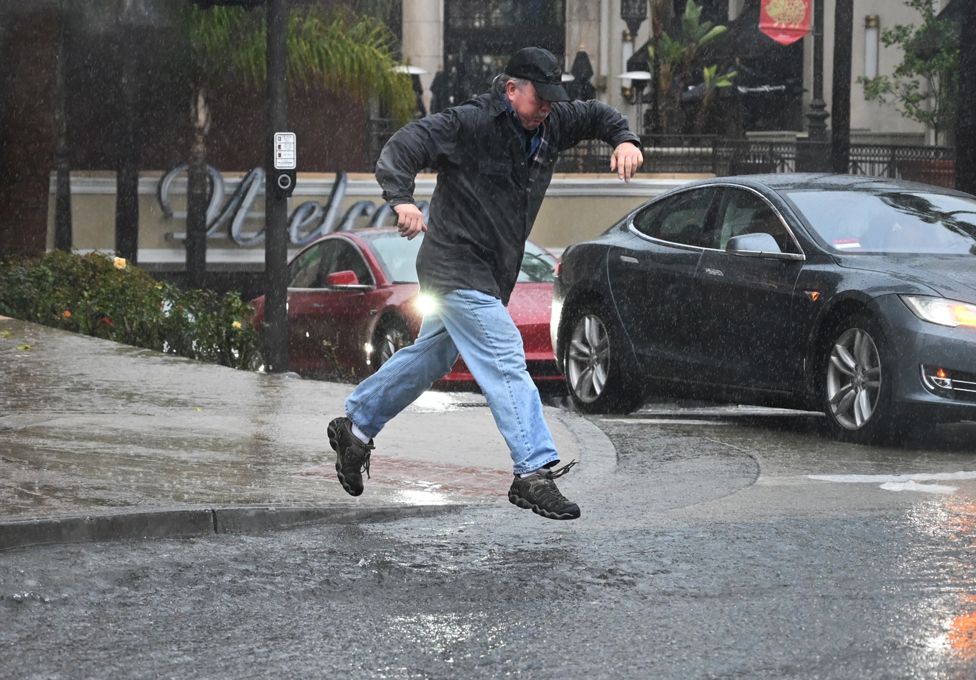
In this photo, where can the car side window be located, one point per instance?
(744, 212)
(304, 269)
(683, 218)
(348, 257)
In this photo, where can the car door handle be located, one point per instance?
(627, 259)
(714, 272)
(318, 305)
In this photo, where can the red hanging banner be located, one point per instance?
(785, 21)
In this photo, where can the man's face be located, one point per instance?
(529, 107)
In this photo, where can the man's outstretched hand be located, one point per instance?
(410, 221)
(625, 160)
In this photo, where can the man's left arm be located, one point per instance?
(579, 120)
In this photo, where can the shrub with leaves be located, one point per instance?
(105, 297)
(925, 85)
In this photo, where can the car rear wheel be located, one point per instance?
(857, 382)
(600, 370)
(391, 335)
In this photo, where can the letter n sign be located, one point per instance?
(785, 21)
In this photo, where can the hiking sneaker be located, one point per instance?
(352, 456)
(538, 493)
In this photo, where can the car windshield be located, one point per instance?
(398, 256)
(889, 222)
(538, 265)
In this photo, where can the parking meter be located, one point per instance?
(285, 163)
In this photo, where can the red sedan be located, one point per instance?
(353, 300)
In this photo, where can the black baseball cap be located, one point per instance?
(542, 68)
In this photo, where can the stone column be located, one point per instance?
(423, 38)
(583, 33)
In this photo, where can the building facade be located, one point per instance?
(443, 36)
(458, 45)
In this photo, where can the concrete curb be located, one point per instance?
(590, 439)
(194, 522)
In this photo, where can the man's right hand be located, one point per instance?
(410, 221)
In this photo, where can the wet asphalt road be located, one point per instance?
(707, 551)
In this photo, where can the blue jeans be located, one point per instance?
(479, 328)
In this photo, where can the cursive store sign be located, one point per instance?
(227, 217)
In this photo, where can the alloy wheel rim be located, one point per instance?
(854, 379)
(389, 346)
(588, 358)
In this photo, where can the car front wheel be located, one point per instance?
(391, 335)
(857, 383)
(600, 372)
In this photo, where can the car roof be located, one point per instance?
(369, 233)
(800, 181)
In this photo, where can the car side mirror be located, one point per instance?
(752, 243)
(346, 277)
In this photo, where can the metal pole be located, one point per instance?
(276, 206)
(811, 153)
(966, 117)
(127, 168)
(817, 115)
(841, 100)
(62, 204)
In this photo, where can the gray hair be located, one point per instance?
(499, 82)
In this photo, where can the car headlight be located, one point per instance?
(425, 303)
(941, 311)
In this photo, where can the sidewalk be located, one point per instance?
(100, 440)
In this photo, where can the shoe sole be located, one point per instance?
(334, 443)
(525, 505)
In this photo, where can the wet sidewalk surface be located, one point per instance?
(102, 440)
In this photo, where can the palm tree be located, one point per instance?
(329, 47)
(674, 58)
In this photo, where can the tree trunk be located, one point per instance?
(198, 191)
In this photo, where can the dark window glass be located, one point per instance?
(304, 269)
(680, 219)
(744, 212)
(480, 36)
(348, 258)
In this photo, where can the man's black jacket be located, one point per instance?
(488, 193)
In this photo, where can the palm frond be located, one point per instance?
(350, 55)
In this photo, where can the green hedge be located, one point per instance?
(104, 297)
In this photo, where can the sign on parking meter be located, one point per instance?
(285, 162)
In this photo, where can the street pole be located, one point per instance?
(62, 203)
(966, 116)
(276, 205)
(127, 167)
(840, 105)
(811, 155)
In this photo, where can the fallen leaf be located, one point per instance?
(24, 347)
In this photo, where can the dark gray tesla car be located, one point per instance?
(851, 295)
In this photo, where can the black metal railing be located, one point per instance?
(591, 156)
(747, 157)
(378, 132)
(709, 154)
(929, 164)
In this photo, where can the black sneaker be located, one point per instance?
(352, 456)
(538, 493)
